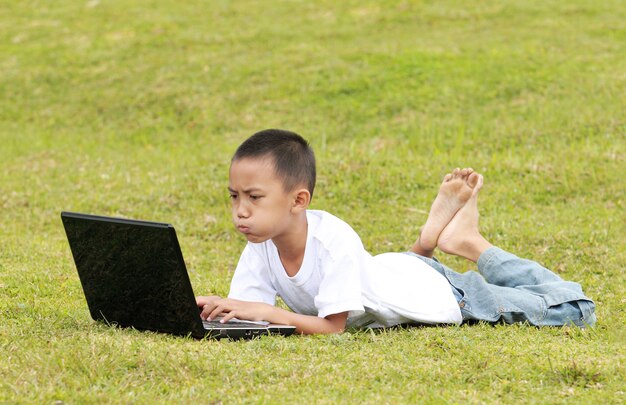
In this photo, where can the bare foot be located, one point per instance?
(461, 237)
(455, 191)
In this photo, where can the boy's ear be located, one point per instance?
(302, 199)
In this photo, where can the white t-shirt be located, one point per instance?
(339, 275)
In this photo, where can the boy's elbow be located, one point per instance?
(337, 323)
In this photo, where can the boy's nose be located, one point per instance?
(242, 212)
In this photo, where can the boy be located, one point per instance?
(317, 264)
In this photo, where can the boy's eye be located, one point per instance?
(233, 196)
(255, 197)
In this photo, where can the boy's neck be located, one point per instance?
(291, 246)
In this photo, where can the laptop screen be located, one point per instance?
(133, 273)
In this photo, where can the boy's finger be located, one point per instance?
(218, 310)
(206, 311)
(228, 317)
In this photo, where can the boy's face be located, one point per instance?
(261, 208)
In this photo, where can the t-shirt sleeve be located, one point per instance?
(340, 287)
(251, 281)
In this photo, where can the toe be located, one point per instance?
(466, 171)
(479, 184)
(472, 179)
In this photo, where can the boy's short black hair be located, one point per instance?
(294, 160)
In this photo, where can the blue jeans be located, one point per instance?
(512, 290)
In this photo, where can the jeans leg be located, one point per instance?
(517, 290)
(507, 270)
(527, 280)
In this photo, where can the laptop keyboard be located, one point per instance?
(230, 324)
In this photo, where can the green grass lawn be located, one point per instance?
(134, 108)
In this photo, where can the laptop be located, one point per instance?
(133, 275)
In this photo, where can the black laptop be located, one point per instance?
(133, 275)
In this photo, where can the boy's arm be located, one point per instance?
(257, 311)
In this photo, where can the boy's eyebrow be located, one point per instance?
(247, 190)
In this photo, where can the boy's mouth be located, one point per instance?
(243, 229)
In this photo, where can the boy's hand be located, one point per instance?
(228, 308)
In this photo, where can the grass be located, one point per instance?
(134, 109)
